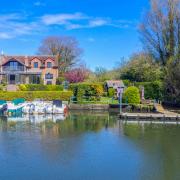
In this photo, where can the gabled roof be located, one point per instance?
(25, 59)
(115, 83)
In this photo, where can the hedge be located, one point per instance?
(32, 95)
(40, 87)
(152, 90)
(88, 90)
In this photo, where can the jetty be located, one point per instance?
(161, 115)
(149, 116)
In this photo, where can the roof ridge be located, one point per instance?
(30, 55)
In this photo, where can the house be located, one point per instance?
(28, 69)
(115, 84)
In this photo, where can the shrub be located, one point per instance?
(32, 95)
(111, 92)
(132, 95)
(152, 90)
(22, 87)
(88, 91)
(97, 89)
(40, 87)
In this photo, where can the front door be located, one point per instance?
(12, 79)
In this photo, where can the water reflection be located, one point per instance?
(90, 145)
(73, 123)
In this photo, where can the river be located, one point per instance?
(88, 146)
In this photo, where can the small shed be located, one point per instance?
(114, 84)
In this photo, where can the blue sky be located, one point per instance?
(105, 29)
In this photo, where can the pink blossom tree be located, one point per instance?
(77, 74)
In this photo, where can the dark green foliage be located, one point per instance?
(126, 82)
(172, 82)
(40, 87)
(132, 95)
(152, 90)
(32, 95)
(60, 80)
(141, 68)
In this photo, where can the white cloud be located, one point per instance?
(4, 35)
(98, 22)
(14, 25)
(60, 19)
(80, 20)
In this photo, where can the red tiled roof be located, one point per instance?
(23, 59)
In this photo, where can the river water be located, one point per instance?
(88, 146)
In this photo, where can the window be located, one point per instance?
(34, 79)
(35, 64)
(49, 65)
(49, 76)
(13, 66)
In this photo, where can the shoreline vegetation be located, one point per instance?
(80, 96)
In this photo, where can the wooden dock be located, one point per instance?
(149, 116)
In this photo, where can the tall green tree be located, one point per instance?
(141, 68)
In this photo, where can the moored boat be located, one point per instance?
(41, 107)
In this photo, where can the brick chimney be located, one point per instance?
(26, 61)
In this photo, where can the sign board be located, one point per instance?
(120, 91)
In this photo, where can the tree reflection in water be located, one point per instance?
(155, 147)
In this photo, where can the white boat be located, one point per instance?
(41, 107)
(16, 105)
(3, 107)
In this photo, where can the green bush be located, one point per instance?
(87, 90)
(32, 95)
(111, 92)
(1, 87)
(40, 87)
(22, 87)
(132, 95)
(152, 90)
(60, 80)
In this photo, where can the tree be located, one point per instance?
(141, 68)
(77, 75)
(101, 74)
(160, 31)
(172, 81)
(64, 47)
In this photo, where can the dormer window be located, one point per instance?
(35, 64)
(49, 65)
